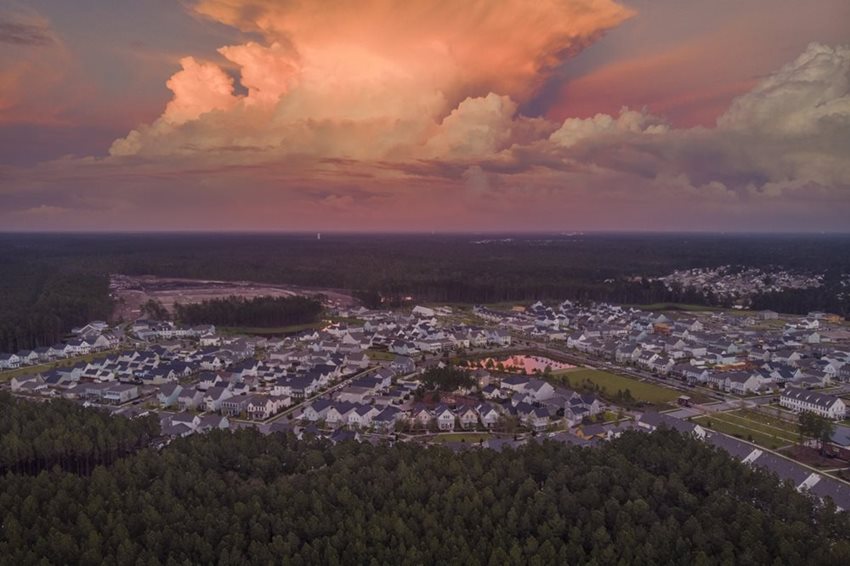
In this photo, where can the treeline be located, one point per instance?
(240, 498)
(71, 270)
(35, 437)
(258, 311)
(39, 306)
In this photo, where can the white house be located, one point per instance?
(799, 400)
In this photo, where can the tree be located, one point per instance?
(155, 310)
(816, 427)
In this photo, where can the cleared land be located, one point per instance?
(131, 292)
(610, 383)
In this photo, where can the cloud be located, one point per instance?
(409, 116)
(789, 131)
(370, 80)
(575, 130)
(16, 33)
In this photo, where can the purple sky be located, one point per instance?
(425, 115)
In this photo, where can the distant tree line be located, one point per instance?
(242, 498)
(255, 312)
(51, 283)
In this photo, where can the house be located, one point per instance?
(337, 414)
(538, 418)
(403, 365)
(799, 400)
(386, 420)
(21, 383)
(214, 397)
(500, 337)
(121, 393)
(303, 386)
(652, 421)
(539, 390)
(445, 418)
(361, 416)
(261, 407)
(423, 312)
(491, 392)
(489, 415)
(9, 361)
(742, 382)
(468, 418)
(213, 422)
(190, 399)
(169, 394)
(233, 406)
(28, 357)
(317, 410)
(421, 416)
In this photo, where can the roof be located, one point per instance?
(820, 399)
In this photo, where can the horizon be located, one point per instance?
(480, 117)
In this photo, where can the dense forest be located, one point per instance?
(39, 305)
(242, 498)
(38, 436)
(255, 312)
(51, 283)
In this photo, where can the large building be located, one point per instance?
(799, 400)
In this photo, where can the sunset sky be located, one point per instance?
(383, 115)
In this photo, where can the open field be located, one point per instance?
(741, 427)
(380, 355)
(272, 330)
(469, 437)
(610, 383)
(783, 431)
(675, 307)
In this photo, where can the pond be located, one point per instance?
(522, 363)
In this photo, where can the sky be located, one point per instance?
(414, 115)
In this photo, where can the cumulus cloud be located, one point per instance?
(373, 79)
(790, 131)
(575, 130)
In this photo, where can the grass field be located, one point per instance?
(380, 355)
(271, 330)
(468, 437)
(741, 426)
(675, 307)
(610, 383)
(292, 329)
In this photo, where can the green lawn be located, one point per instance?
(271, 330)
(610, 383)
(785, 433)
(720, 424)
(468, 437)
(380, 355)
(771, 420)
(675, 307)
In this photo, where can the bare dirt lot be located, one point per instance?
(131, 292)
